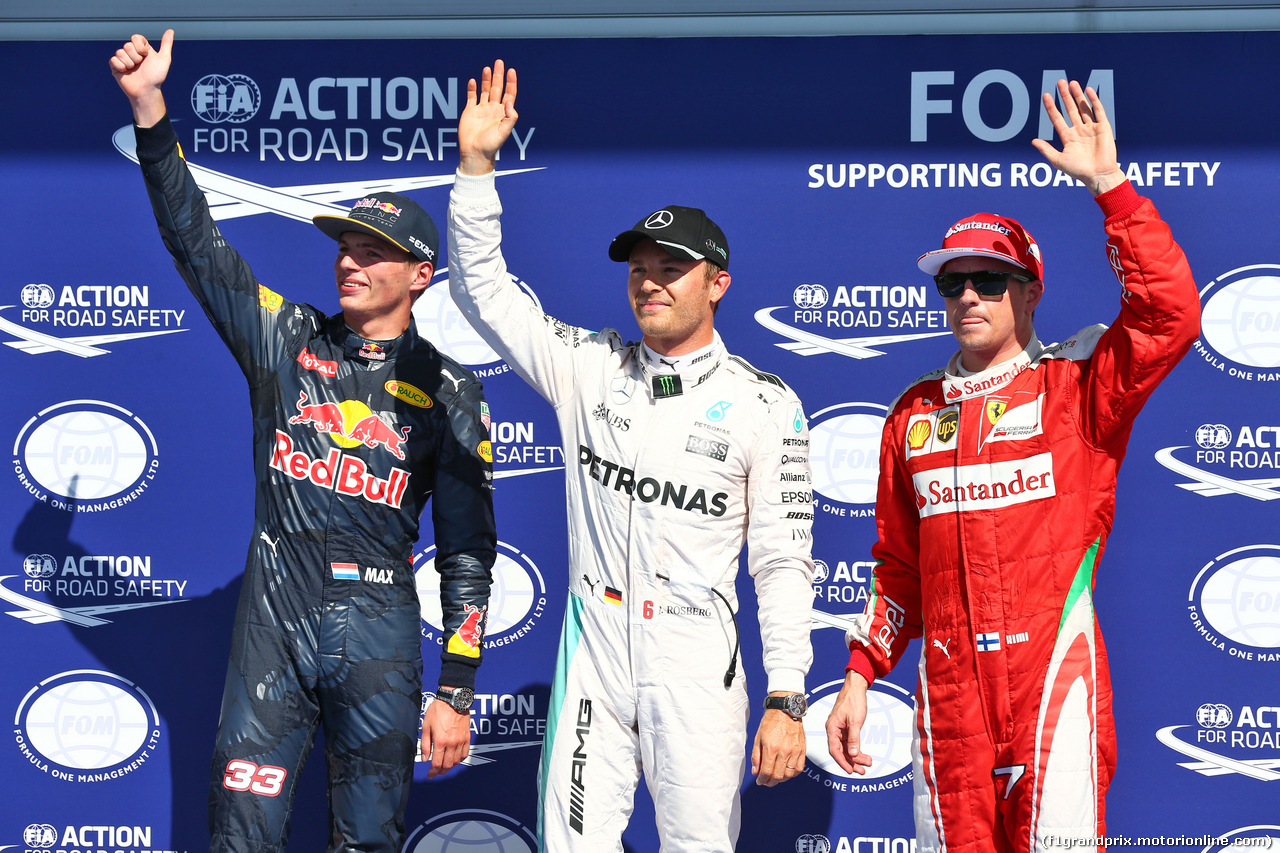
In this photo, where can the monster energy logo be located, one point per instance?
(667, 385)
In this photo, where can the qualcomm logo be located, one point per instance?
(517, 597)
(85, 456)
(871, 309)
(1230, 743)
(1240, 323)
(844, 454)
(441, 321)
(1234, 603)
(86, 726)
(1249, 449)
(473, 831)
(232, 98)
(886, 737)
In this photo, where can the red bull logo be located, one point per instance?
(326, 417)
(346, 475)
(370, 430)
(467, 639)
(387, 207)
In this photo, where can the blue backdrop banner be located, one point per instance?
(831, 164)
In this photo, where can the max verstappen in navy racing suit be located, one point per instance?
(357, 421)
(677, 455)
(996, 495)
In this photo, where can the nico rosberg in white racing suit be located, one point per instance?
(677, 455)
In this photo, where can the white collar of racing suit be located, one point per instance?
(961, 384)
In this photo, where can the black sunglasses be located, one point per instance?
(985, 282)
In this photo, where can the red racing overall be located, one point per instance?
(996, 496)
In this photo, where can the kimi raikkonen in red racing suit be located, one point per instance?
(996, 495)
(350, 439)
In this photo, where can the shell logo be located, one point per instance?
(918, 434)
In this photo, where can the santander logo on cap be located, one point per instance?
(986, 235)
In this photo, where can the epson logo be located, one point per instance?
(925, 85)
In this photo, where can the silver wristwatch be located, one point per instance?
(459, 698)
(792, 704)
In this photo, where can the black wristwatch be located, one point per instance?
(459, 698)
(792, 704)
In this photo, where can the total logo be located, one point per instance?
(858, 844)
(1229, 740)
(80, 319)
(472, 830)
(113, 583)
(86, 726)
(844, 455)
(1240, 323)
(1234, 603)
(1228, 462)
(441, 321)
(45, 838)
(85, 456)
(517, 597)
(886, 737)
(868, 310)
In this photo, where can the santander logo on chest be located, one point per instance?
(1002, 414)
